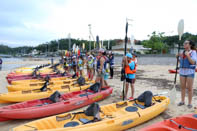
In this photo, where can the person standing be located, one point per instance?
(130, 70)
(80, 65)
(187, 61)
(101, 66)
(111, 63)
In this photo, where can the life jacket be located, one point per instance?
(111, 61)
(90, 63)
(128, 70)
(184, 62)
(80, 63)
(99, 64)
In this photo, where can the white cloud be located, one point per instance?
(52, 19)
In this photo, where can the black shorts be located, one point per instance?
(130, 80)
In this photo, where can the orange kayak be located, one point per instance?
(182, 123)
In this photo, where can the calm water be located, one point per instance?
(155, 60)
(141, 61)
(11, 66)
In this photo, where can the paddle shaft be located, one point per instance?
(125, 51)
(177, 63)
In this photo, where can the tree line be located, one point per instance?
(157, 42)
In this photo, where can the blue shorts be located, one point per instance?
(190, 75)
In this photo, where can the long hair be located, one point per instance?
(192, 44)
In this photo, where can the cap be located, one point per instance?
(90, 56)
(74, 56)
(129, 55)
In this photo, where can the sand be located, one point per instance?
(149, 77)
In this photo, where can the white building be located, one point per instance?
(119, 48)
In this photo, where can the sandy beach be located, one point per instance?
(149, 77)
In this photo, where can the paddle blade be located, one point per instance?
(173, 95)
(180, 28)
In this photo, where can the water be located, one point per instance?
(9, 63)
(156, 60)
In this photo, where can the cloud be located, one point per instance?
(32, 22)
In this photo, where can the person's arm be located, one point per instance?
(191, 61)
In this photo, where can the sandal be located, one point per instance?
(189, 106)
(181, 103)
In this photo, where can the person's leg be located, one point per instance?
(189, 83)
(183, 86)
(126, 91)
(132, 89)
(111, 72)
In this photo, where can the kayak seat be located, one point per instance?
(84, 120)
(139, 105)
(195, 115)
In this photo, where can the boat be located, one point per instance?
(20, 96)
(112, 117)
(55, 104)
(53, 84)
(40, 77)
(186, 122)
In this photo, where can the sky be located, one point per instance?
(33, 22)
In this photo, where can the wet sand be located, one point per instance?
(149, 77)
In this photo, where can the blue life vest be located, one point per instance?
(111, 61)
(99, 64)
(184, 63)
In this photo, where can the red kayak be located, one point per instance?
(172, 71)
(183, 123)
(27, 77)
(54, 104)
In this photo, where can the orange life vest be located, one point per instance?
(128, 69)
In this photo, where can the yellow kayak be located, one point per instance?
(38, 85)
(43, 70)
(112, 117)
(33, 81)
(20, 96)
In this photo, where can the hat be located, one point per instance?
(90, 56)
(129, 55)
(101, 50)
(74, 57)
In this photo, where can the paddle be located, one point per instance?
(173, 91)
(125, 51)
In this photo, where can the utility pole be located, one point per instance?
(69, 41)
(89, 37)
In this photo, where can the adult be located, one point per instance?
(187, 61)
(101, 66)
(130, 70)
(111, 63)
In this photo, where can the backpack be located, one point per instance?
(146, 97)
(95, 87)
(93, 110)
(81, 81)
(55, 97)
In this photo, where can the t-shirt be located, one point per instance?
(187, 71)
(132, 67)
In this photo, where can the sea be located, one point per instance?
(142, 60)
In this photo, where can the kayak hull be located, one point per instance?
(114, 117)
